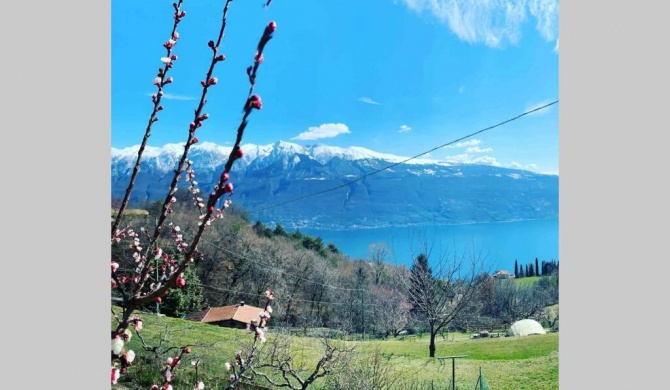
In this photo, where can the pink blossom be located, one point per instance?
(137, 324)
(115, 266)
(228, 366)
(116, 374)
(200, 385)
(255, 102)
(228, 187)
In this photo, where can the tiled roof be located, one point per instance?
(240, 313)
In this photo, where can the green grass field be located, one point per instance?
(507, 363)
(530, 280)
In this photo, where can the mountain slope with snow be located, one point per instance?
(351, 193)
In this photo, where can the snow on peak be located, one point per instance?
(210, 154)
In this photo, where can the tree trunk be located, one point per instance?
(431, 348)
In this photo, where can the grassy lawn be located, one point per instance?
(530, 280)
(507, 363)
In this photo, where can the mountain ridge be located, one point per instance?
(355, 186)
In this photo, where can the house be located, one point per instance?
(501, 274)
(233, 316)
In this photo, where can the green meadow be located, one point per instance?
(507, 363)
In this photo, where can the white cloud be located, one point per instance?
(404, 128)
(465, 144)
(326, 130)
(477, 149)
(467, 158)
(368, 101)
(556, 47)
(170, 96)
(493, 23)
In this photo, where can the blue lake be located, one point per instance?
(500, 243)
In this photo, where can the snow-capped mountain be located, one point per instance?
(352, 193)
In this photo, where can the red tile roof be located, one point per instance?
(239, 313)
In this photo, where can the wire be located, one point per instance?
(405, 160)
(218, 289)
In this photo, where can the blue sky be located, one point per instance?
(395, 76)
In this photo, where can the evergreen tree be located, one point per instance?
(537, 268)
(532, 271)
(187, 299)
(421, 277)
(516, 268)
(279, 231)
(526, 271)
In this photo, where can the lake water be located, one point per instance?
(500, 243)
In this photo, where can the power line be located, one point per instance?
(405, 160)
(218, 289)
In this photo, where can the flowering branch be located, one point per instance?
(160, 81)
(197, 122)
(141, 287)
(258, 327)
(252, 102)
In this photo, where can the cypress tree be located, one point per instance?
(516, 268)
(537, 268)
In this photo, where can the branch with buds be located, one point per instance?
(156, 271)
(239, 368)
(160, 81)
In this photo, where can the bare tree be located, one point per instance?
(393, 316)
(516, 301)
(278, 368)
(378, 254)
(440, 295)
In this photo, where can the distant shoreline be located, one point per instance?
(416, 225)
